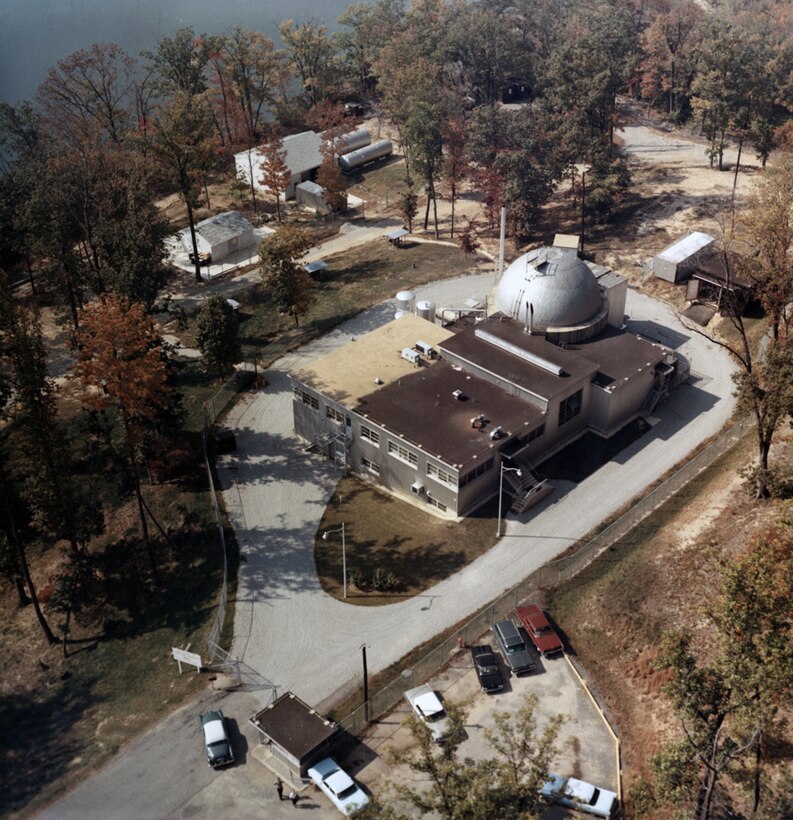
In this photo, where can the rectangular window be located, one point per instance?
(437, 504)
(403, 454)
(476, 472)
(570, 407)
(334, 414)
(433, 471)
(372, 436)
(535, 433)
(370, 466)
(306, 398)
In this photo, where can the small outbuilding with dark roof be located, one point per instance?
(297, 734)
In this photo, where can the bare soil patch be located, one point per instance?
(660, 577)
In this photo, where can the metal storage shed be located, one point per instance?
(677, 262)
(312, 195)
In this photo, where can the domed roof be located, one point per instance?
(561, 289)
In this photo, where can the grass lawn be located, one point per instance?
(386, 537)
(353, 281)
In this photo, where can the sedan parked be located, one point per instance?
(216, 740)
(345, 794)
(428, 707)
(576, 794)
(539, 629)
(487, 670)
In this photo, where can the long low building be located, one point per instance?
(431, 413)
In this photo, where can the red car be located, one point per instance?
(539, 629)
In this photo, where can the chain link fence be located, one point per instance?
(550, 575)
(212, 410)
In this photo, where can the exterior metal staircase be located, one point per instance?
(527, 488)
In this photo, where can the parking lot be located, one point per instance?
(588, 750)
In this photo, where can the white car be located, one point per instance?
(345, 794)
(427, 705)
(576, 794)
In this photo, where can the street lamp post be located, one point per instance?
(343, 552)
(504, 469)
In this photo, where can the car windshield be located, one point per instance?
(218, 745)
(514, 648)
(348, 792)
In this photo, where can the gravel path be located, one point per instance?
(288, 629)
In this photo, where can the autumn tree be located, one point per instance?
(245, 74)
(333, 181)
(217, 338)
(311, 53)
(120, 359)
(408, 205)
(728, 703)
(181, 138)
(59, 509)
(91, 87)
(275, 173)
(77, 593)
(423, 144)
(179, 64)
(364, 27)
(285, 278)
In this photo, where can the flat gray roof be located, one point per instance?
(222, 227)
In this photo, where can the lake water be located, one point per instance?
(35, 34)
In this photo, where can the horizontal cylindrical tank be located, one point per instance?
(355, 159)
(405, 299)
(426, 310)
(352, 141)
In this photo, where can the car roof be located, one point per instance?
(429, 703)
(339, 781)
(325, 767)
(579, 790)
(214, 731)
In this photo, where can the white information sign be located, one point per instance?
(183, 656)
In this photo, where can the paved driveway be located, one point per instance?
(302, 639)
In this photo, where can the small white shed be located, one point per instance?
(676, 263)
(312, 195)
(220, 236)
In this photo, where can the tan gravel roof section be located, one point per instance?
(349, 373)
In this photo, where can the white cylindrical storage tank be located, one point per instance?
(426, 310)
(404, 300)
(355, 159)
(399, 314)
(352, 141)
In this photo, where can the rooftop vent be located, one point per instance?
(496, 434)
(458, 394)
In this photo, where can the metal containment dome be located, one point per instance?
(560, 288)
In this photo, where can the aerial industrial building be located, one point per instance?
(431, 413)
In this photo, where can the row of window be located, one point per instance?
(476, 472)
(306, 398)
(403, 454)
(439, 474)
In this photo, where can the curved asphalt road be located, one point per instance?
(303, 640)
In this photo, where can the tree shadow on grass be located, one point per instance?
(43, 744)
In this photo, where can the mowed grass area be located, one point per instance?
(389, 539)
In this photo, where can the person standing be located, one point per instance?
(279, 787)
(294, 797)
